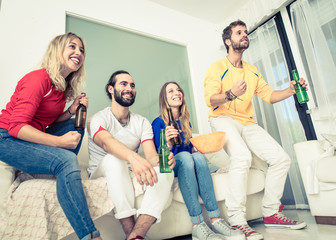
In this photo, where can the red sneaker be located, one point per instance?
(278, 220)
(249, 232)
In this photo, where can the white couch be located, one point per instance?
(175, 218)
(316, 162)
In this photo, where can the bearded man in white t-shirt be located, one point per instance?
(115, 135)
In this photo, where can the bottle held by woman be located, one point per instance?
(175, 141)
(80, 118)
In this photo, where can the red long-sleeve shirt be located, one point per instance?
(35, 102)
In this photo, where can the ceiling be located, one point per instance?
(215, 11)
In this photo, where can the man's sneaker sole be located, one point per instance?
(255, 237)
(238, 237)
(286, 226)
(195, 238)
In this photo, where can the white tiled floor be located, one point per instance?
(312, 232)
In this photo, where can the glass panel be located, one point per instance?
(326, 15)
(314, 24)
(150, 61)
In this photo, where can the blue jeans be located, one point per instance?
(42, 159)
(195, 179)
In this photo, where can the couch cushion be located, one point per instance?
(326, 168)
(7, 174)
(83, 157)
(256, 183)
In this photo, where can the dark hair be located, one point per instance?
(112, 81)
(227, 32)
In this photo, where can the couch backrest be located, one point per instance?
(83, 157)
(220, 158)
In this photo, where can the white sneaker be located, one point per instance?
(229, 233)
(203, 232)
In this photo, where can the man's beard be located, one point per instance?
(123, 102)
(239, 46)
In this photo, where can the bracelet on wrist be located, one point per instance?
(70, 112)
(232, 95)
(229, 96)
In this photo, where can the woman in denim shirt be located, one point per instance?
(192, 168)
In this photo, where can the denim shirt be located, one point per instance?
(159, 124)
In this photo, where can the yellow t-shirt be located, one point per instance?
(220, 77)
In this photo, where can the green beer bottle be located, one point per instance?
(163, 153)
(301, 92)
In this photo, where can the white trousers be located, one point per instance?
(240, 142)
(121, 190)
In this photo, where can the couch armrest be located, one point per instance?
(308, 150)
(325, 169)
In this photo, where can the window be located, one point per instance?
(314, 24)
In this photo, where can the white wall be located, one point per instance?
(27, 26)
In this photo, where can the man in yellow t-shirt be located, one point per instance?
(230, 84)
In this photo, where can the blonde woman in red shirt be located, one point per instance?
(35, 122)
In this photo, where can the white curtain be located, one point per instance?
(281, 120)
(255, 11)
(314, 24)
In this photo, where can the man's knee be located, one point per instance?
(165, 179)
(242, 160)
(284, 160)
(111, 163)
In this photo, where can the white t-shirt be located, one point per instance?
(137, 131)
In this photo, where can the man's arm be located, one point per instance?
(238, 89)
(142, 169)
(217, 99)
(278, 96)
(152, 156)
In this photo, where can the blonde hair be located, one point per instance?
(184, 112)
(53, 63)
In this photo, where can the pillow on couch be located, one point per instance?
(7, 174)
(208, 143)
